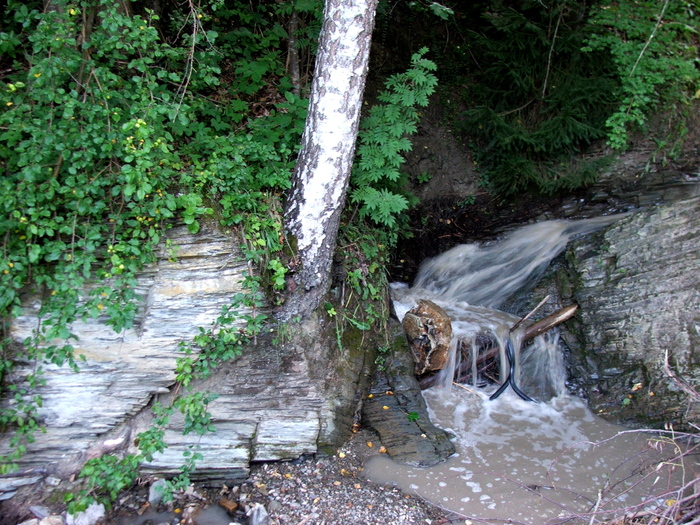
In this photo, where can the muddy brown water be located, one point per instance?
(518, 461)
(537, 463)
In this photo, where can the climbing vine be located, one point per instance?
(110, 135)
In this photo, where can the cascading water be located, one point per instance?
(517, 461)
(470, 281)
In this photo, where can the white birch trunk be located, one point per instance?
(328, 145)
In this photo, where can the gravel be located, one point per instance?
(309, 491)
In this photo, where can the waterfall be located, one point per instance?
(471, 281)
(550, 462)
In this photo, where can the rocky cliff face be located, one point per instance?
(279, 400)
(638, 285)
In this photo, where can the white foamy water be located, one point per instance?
(519, 461)
(487, 275)
(533, 463)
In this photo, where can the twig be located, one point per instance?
(658, 23)
(549, 322)
(530, 314)
(469, 390)
(516, 109)
(682, 383)
(549, 58)
(597, 504)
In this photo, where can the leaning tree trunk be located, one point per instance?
(328, 146)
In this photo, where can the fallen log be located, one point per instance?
(549, 322)
(489, 349)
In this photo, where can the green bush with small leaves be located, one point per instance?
(111, 135)
(655, 49)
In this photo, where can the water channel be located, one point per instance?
(543, 462)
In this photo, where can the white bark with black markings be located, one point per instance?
(328, 145)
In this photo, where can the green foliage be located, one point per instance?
(380, 360)
(107, 476)
(364, 252)
(538, 100)
(424, 178)
(383, 138)
(109, 136)
(90, 162)
(469, 200)
(224, 340)
(111, 474)
(254, 35)
(654, 46)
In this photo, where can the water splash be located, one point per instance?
(535, 464)
(524, 462)
(470, 281)
(488, 275)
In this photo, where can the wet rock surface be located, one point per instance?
(638, 286)
(396, 410)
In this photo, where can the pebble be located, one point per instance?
(332, 490)
(326, 491)
(156, 491)
(89, 516)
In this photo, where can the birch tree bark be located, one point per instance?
(328, 145)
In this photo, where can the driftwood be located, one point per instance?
(489, 349)
(550, 322)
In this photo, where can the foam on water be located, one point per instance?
(527, 462)
(487, 275)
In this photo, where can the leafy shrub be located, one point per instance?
(383, 137)
(654, 46)
(109, 136)
(537, 100)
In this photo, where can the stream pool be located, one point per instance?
(539, 463)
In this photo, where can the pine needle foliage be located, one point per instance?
(537, 100)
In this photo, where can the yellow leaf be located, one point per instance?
(369, 444)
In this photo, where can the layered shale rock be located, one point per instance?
(293, 393)
(638, 285)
